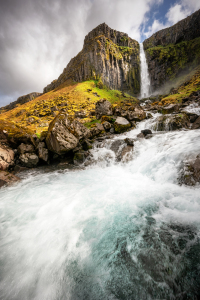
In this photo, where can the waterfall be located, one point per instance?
(145, 79)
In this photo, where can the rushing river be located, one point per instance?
(107, 231)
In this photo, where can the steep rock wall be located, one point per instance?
(107, 54)
(172, 51)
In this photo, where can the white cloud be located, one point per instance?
(156, 26)
(177, 13)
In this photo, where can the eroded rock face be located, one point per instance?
(170, 109)
(64, 135)
(103, 108)
(6, 157)
(173, 122)
(121, 125)
(107, 54)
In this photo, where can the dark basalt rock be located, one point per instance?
(172, 122)
(196, 124)
(190, 172)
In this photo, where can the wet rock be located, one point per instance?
(170, 109)
(112, 130)
(79, 157)
(86, 145)
(6, 157)
(146, 131)
(148, 136)
(129, 141)
(140, 135)
(106, 125)
(190, 173)
(18, 169)
(7, 178)
(25, 148)
(116, 144)
(126, 154)
(174, 122)
(103, 107)
(121, 125)
(149, 116)
(196, 124)
(29, 160)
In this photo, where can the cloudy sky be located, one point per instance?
(39, 37)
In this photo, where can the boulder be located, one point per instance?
(25, 148)
(86, 145)
(126, 154)
(146, 131)
(122, 151)
(196, 124)
(173, 122)
(29, 160)
(137, 115)
(169, 109)
(103, 107)
(64, 135)
(121, 125)
(7, 178)
(79, 157)
(129, 141)
(106, 125)
(100, 127)
(6, 157)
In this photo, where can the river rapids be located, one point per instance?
(111, 230)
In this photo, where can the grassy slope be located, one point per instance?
(36, 115)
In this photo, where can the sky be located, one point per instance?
(39, 37)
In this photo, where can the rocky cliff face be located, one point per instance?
(108, 55)
(185, 30)
(172, 51)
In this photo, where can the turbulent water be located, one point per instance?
(145, 79)
(109, 231)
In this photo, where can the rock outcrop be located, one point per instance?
(172, 122)
(6, 157)
(109, 55)
(103, 108)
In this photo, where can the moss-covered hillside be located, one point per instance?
(76, 99)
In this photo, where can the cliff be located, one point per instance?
(173, 51)
(108, 55)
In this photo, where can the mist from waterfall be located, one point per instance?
(145, 79)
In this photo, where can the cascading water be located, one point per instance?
(145, 79)
(109, 231)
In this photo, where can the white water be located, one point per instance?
(145, 79)
(110, 231)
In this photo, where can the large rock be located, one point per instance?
(64, 135)
(136, 115)
(7, 178)
(170, 109)
(103, 108)
(174, 122)
(25, 148)
(6, 157)
(29, 160)
(123, 151)
(196, 124)
(121, 125)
